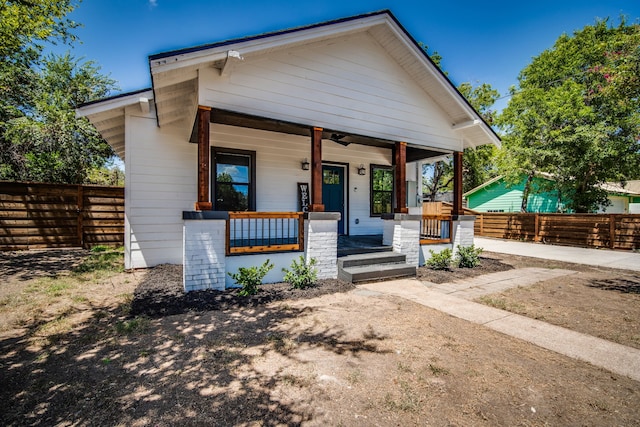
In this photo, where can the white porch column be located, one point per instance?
(402, 232)
(204, 251)
(321, 242)
(462, 231)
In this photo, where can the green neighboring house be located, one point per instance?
(496, 196)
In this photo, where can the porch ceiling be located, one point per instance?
(233, 118)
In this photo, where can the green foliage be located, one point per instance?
(479, 164)
(251, 277)
(576, 114)
(40, 137)
(26, 25)
(468, 256)
(137, 325)
(102, 259)
(110, 175)
(440, 260)
(435, 56)
(301, 274)
(439, 178)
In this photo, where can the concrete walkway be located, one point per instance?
(497, 282)
(608, 355)
(596, 257)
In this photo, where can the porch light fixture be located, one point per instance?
(337, 137)
(305, 165)
(362, 170)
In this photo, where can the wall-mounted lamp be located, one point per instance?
(361, 170)
(305, 165)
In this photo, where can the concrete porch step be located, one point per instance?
(371, 258)
(374, 266)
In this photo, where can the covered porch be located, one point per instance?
(312, 230)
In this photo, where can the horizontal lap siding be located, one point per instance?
(592, 230)
(161, 183)
(49, 215)
(351, 85)
(279, 158)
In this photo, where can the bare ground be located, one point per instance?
(103, 352)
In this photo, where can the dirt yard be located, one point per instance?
(129, 349)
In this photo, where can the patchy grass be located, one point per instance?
(408, 399)
(137, 325)
(48, 302)
(438, 370)
(102, 260)
(501, 303)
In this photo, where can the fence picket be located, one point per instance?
(39, 215)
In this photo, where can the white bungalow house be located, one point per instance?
(274, 145)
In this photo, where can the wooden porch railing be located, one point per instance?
(436, 229)
(258, 232)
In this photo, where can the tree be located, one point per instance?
(576, 114)
(49, 144)
(439, 178)
(25, 27)
(40, 137)
(478, 164)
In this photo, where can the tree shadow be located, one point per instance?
(625, 285)
(195, 368)
(27, 265)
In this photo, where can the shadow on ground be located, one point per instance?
(26, 265)
(161, 293)
(630, 285)
(199, 368)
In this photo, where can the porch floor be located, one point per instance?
(351, 245)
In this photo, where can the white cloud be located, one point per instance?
(153, 3)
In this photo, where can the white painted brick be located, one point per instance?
(321, 243)
(204, 254)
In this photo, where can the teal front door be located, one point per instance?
(333, 192)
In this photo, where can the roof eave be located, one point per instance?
(113, 102)
(168, 61)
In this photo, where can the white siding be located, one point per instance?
(351, 85)
(279, 157)
(160, 184)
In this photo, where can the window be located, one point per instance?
(234, 180)
(381, 190)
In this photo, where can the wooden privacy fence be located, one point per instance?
(34, 215)
(614, 231)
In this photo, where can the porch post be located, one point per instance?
(457, 184)
(316, 170)
(400, 163)
(204, 118)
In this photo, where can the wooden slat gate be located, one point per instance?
(36, 215)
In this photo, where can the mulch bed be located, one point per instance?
(160, 292)
(487, 265)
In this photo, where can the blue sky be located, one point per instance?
(480, 42)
